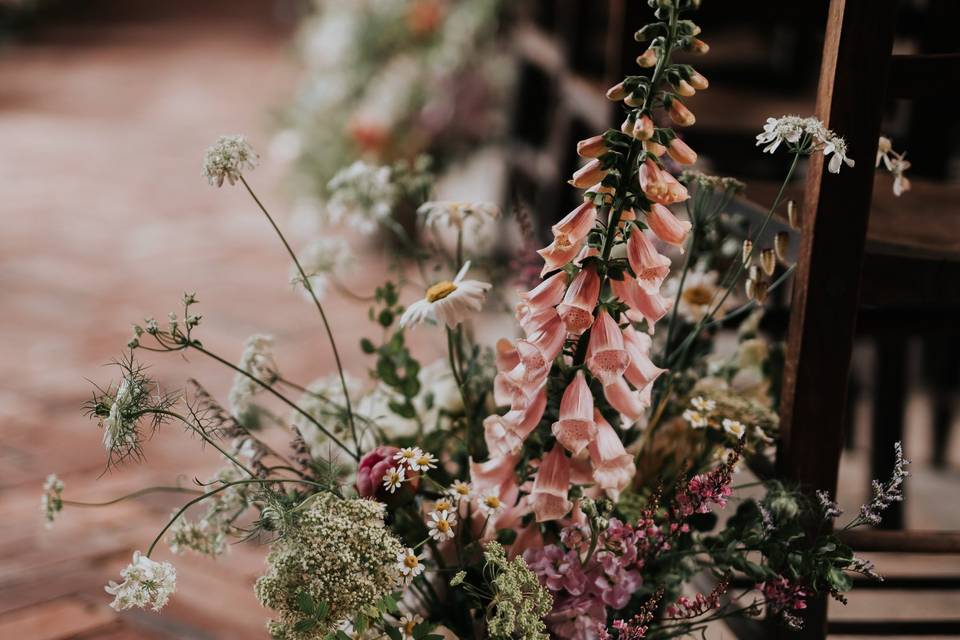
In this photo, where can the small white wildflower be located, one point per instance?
(361, 195)
(145, 583)
(409, 563)
(696, 419)
(440, 525)
(227, 158)
(119, 430)
(895, 163)
(394, 478)
(450, 302)
(409, 622)
(204, 537)
(734, 428)
(457, 214)
(491, 504)
(703, 404)
(808, 132)
(423, 462)
(407, 455)
(51, 502)
(460, 490)
(257, 360)
(443, 505)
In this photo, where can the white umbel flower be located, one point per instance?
(145, 583)
(450, 302)
(227, 159)
(457, 214)
(51, 502)
(805, 135)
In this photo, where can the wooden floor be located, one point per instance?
(107, 219)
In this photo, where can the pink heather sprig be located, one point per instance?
(705, 490)
(783, 596)
(686, 608)
(636, 628)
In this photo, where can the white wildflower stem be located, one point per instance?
(130, 496)
(323, 315)
(179, 512)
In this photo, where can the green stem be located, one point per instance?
(129, 496)
(323, 315)
(199, 431)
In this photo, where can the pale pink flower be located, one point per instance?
(667, 226)
(505, 434)
(492, 474)
(613, 467)
(578, 304)
(549, 495)
(606, 357)
(575, 429)
(506, 356)
(659, 186)
(643, 304)
(547, 294)
(680, 114)
(641, 372)
(681, 152)
(543, 346)
(559, 252)
(577, 224)
(592, 147)
(647, 263)
(588, 174)
(630, 403)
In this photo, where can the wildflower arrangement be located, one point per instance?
(569, 483)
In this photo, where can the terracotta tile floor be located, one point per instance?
(106, 219)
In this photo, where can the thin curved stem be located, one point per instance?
(130, 496)
(213, 443)
(316, 302)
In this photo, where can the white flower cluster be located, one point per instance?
(457, 214)
(258, 361)
(227, 158)
(321, 261)
(805, 135)
(361, 195)
(412, 458)
(203, 537)
(895, 163)
(51, 502)
(145, 583)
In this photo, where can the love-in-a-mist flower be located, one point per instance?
(457, 214)
(409, 564)
(145, 583)
(226, 159)
(450, 302)
(613, 467)
(393, 478)
(607, 358)
(580, 300)
(575, 429)
(548, 497)
(667, 226)
(440, 525)
(650, 267)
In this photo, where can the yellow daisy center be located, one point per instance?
(440, 291)
(492, 501)
(699, 296)
(409, 625)
(411, 562)
(443, 526)
(442, 505)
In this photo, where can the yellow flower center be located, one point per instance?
(442, 505)
(440, 291)
(492, 501)
(443, 526)
(698, 296)
(411, 562)
(408, 626)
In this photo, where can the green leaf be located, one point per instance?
(305, 603)
(305, 625)
(393, 633)
(385, 318)
(367, 346)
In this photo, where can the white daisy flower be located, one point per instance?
(409, 563)
(443, 505)
(703, 404)
(460, 490)
(696, 419)
(440, 525)
(491, 504)
(448, 302)
(393, 478)
(423, 462)
(456, 214)
(408, 622)
(407, 455)
(734, 428)
(145, 583)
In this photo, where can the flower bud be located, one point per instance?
(792, 214)
(781, 244)
(588, 174)
(698, 81)
(747, 250)
(648, 58)
(653, 147)
(617, 92)
(681, 152)
(685, 89)
(633, 100)
(643, 128)
(593, 147)
(628, 124)
(768, 261)
(760, 290)
(749, 287)
(698, 46)
(680, 115)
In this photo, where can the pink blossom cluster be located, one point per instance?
(783, 595)
(705, 490)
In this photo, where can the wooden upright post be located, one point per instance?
(853, 79)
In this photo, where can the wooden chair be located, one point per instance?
(846, 282)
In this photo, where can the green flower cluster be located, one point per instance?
(519, 602)
(340, 554)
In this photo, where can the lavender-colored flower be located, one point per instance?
(886, 493)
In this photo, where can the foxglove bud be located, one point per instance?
(747, 250)
(685, 89)
(781, 244)
(681, 152)
(617, 92)
(655, 148)
(588, 174)
(648, 58)
(792, 214)
(680, 115)
(697, 81)
(768, 261)
(628, 125)
(698, 46)
(643, 128)
(593, 147)
(633, 100)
